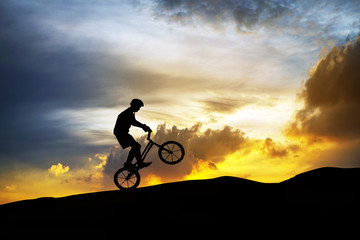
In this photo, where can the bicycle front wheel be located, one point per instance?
(171, 152)
(125, 179)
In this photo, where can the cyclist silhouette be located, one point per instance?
(124, 121)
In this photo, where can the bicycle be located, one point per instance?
(169, 152)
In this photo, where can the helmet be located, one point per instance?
(136, 103)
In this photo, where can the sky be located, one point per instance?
(256, 89)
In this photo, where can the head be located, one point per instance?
(136, 104)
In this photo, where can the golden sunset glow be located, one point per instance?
(261, 91)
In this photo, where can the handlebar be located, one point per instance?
(149, 133)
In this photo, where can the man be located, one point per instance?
(124, 121)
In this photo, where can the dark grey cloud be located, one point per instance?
(318, 21)
(35, 70)
(248, 15)
(39, 76)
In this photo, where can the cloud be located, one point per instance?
(248, 15)
(211, 146)
(332, 97)
(214, 145)
(58, 169)
(11, 188)
(277, 149)
(226, 105)
(329, 120)
(315, 21)
(272, 149)
(220, 106)
(43, 72)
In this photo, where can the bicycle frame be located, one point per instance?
(148, 147)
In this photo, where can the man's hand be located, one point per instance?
(146, 128)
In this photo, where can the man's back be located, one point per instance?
(124, 121)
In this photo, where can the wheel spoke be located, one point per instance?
(122, 182)
(167, 156)
(165, 152)
(176, 156)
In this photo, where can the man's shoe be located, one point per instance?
(144, 164)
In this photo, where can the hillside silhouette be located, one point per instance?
(320, 193)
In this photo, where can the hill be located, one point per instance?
(321, 193)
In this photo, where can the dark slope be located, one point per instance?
(321, 193)
(326, 179)
(325, 188)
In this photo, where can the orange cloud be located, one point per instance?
(276, 149)
(211, 146)
(332, 97)
(58, 169)
(329, 120)
(152, 179)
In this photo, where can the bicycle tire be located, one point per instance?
(171, 152)
(125, 179)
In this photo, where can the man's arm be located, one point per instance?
(136, 123)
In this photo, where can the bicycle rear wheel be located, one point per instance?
(171, 152)
(125, 179)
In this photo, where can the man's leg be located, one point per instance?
(134, 152)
